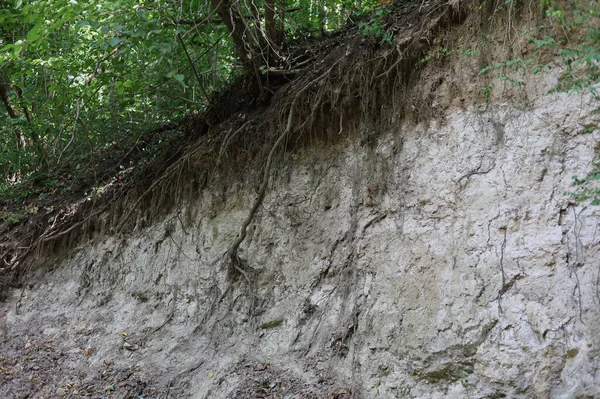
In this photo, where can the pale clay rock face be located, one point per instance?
(443, 262)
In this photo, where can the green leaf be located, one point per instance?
(115, 41)
(7, 47)
(166, 47)
(34, 34)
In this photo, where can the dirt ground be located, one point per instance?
(38, 360)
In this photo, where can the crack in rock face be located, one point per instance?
(439, 261)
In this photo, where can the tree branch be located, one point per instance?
(11, 111)
(194, 68)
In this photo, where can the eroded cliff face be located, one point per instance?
(430, 261)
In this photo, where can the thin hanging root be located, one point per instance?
(228, 138)
(51, 233)
(232, 252)
(171, 170)
(237, 265)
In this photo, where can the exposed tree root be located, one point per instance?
(230, 136)
(232, 252)
(168, 174)
(45, 238)
(50, 234)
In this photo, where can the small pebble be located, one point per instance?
(129, 346)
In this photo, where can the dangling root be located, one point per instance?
(232, 252)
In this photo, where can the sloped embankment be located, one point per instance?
(426, 257)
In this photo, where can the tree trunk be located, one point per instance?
(274, 19)
(35, 139)
(6, 100)
(23, 106)
(22, 141)
(270, 27)
(244, 40)
(11, 112)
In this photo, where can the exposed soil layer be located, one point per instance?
(399, 253)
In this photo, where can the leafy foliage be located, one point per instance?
(587, 190)
(84, 76)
